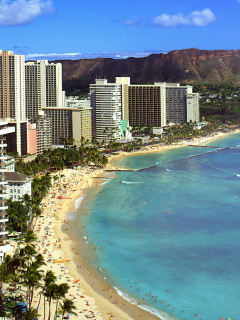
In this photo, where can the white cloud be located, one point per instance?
(52, 55)
(22, 12)
(195, 18)
(133, 22)
(75, 56)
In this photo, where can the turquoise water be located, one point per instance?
(169, 235)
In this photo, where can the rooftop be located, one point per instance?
(16, 176)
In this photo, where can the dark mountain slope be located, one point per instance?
(187, 66)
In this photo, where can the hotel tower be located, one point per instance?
(12, 98)
(43, 87)
(4, 131)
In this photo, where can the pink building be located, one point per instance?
(32, 138)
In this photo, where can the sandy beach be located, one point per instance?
(92, 295)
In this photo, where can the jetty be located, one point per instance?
(205, 153)
(202, 146)
(127, 170)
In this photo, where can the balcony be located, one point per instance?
(3, 233)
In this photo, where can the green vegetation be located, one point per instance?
(59, 158)
(219, 102)
(24, 270)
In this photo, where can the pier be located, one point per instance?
(127, 170)
(202, 146)
(121, 170)
(205, 153)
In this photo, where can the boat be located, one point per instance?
(61, 261)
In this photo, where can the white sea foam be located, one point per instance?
(238, 175)
(168, 170)
(70, 215)
(103, 183)
(131, 182)
(160, 314)
(78, 201)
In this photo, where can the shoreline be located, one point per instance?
(89, 282)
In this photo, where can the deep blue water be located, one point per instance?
(169, 236)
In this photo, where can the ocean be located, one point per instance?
(168, 236)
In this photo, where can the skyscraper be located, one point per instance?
(43, 86)
(12, 98)
(153, 104)
(106, 103)
(4, 130)
(12, 86)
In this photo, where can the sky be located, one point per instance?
(75, 29)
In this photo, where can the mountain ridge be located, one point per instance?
(185, 66)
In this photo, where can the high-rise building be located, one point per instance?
(181, 103)
(4, 130)
(106, 103)
(12, 86)
(43, 86)
(147, 105)
(12, 94)
(162, 103)
(155, 104)
(43, 132)
(73, 121)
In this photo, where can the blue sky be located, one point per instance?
(56, 29)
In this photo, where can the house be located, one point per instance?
(18, 185)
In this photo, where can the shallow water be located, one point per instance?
(169, 236)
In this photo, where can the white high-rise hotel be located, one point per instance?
(4, 130)
(106, 102)
(155, 104)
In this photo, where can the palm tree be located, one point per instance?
(31, 314)
(30, 237)
(31, 279)
(105, 132)
(55, 178)
(49, 280)
(67, 307)
(61, 291)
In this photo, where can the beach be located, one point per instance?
(92, 295)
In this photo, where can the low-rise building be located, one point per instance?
(9, 164)
(18, 184)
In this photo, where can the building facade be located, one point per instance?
(18, 185)
(43, 86)
(69, 122)
(153, 105)
(61, 119)
(147, 105)
(43, 132)
(17, 142)
(4, 131)
(106, 103)
(81, 119)
(12, 95)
